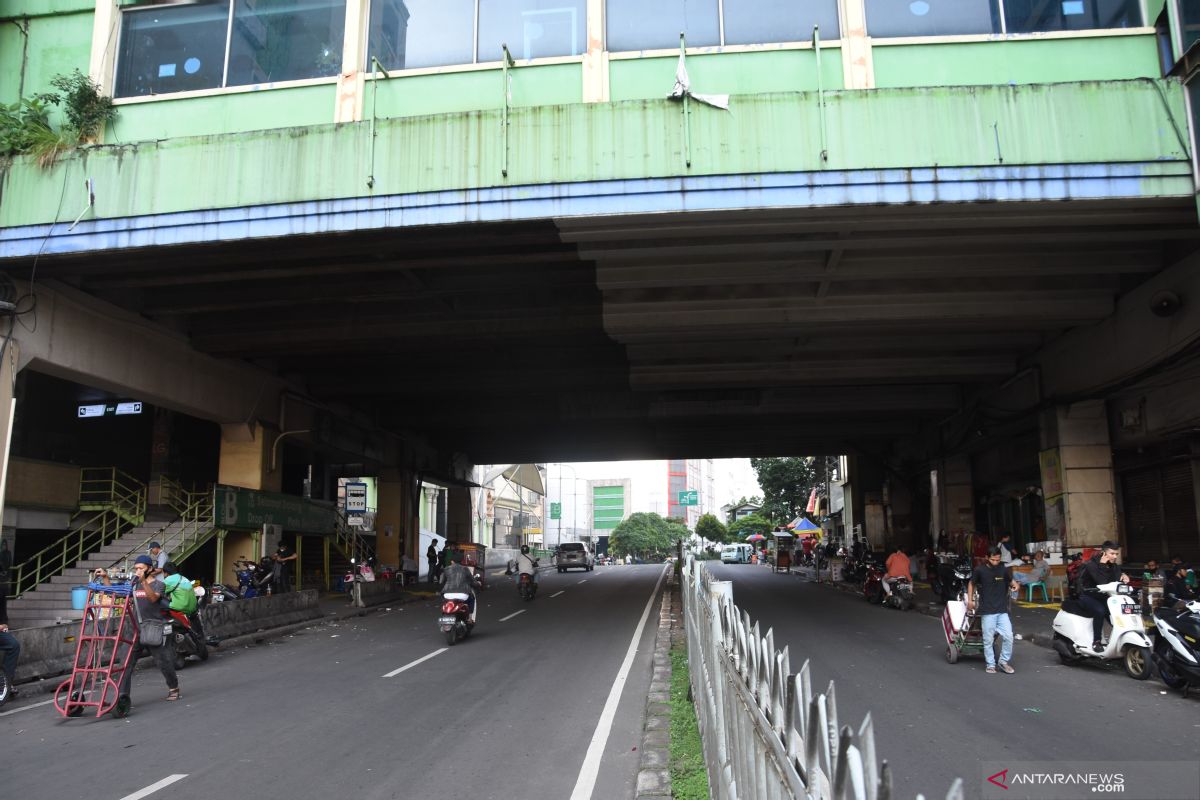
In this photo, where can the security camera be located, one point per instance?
(1165, 304)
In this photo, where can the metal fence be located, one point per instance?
(765, 734)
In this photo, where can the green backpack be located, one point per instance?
(182, 596)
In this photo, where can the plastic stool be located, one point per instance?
(1040, 585)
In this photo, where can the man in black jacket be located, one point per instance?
(1102, 568)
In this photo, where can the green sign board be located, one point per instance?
(556, 511)
(246, 509)
(689, 498)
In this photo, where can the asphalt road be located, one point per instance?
(935, 721)
(508, 713)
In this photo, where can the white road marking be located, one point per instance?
(154, 787)
(25, 708)
(590, 770)
(412, 664)
(556, 594)
(510, 616)
(582, 581)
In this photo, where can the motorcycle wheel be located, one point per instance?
(1066, 652)
(1137, 663)
(202, 649)
(451, 637)
(1168, 676)
(951, 654)
(875, 598)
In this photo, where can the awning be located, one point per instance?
(526, 475)
(445, 480)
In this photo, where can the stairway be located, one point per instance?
(50, 602)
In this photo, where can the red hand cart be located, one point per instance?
(104, 654)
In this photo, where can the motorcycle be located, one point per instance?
(526, 585)
(882, 590)
(1127, 641)
(1177, 645)
(950, 582)
(457, 620)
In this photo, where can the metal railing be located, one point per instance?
(86, 536)
(110, 489)
(765, 735)
(183, 536)
(352, 544)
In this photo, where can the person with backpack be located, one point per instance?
(181, 599)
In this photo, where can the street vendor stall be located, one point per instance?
(783, 551)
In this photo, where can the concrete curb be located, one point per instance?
(654, 774)
(48, 684)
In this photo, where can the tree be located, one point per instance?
(709, 527)
(750, 524)
(786, 485)
(645, 535)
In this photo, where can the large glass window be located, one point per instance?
(532, 28)
(758, 21)
(181, 47)
(172, 49)
(1027, 16)
(1189, 18)
(409, 34)
(656, 24)
(932, 17)
(285, 40)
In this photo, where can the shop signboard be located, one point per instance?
(247, 509)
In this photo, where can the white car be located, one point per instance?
(574, 555)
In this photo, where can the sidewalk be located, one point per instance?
(1031, 621)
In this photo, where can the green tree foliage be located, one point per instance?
(747, 525)
(646, 535)
(786, 484)
(709, 527)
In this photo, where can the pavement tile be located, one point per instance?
(659, 709)
(653, 780)
(655, 757)
(658, 723)
(659, 697)
(656, 738)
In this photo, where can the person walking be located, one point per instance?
(148, 590)
(993, 580)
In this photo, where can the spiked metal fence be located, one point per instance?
(766, 736)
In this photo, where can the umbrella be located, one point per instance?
(755, 537)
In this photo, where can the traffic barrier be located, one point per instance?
(765, 735)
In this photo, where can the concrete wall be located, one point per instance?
(42, 484)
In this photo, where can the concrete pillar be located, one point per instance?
(245, 461)
(858, 68)
(351, 85)
(595, 58)
(953, 501)
(1077, 475)
(391, 533)
(458, 514)
(9, 358)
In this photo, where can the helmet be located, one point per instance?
(524, 549)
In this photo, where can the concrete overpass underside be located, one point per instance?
(716, 332)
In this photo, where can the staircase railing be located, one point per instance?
(110, 489)
(352, 543)
(86, 536)
(183, 536)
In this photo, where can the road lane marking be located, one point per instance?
(556, 594)
(154, 787)
(510, 616)
(25, 708)
(590, 770)
(412, 664)
(582, 581)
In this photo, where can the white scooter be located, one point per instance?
(1127, 641)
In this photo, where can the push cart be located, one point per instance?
(475, 558)
(104, 653)
(964, 632)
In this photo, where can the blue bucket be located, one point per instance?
(79, 597)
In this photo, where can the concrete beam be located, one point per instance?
(82, 339)
(1126, 344)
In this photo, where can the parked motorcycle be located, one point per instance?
(1177, 645)
(1127, 641)
(949, 582)
(188, 635)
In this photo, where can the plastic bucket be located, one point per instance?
(79, 597)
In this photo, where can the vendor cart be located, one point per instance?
(964, 632)
(783, 552)
(104, 653)
(475, 557)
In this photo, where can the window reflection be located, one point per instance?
(1027, 16)
(532, 28)
(656, 24)
(409, 34)
(172, 49)
(759, 21)
(932, 17)
(285, 40)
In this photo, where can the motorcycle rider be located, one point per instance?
(898, 568)
(459, 579)
(1102, 568)
(526, 565)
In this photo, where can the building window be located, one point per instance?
(1029, 16)
(638, 25)
(209, 44)
(409, 34)
(759, 21)
(172, 49)
(887, 18)
(285, 40)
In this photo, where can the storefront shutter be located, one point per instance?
(1179, 512)
(1143, 514)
